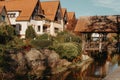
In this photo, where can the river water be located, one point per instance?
(95, 70)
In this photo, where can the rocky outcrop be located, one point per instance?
(37, 62)
(54, 62)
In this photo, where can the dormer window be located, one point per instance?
(11, 15)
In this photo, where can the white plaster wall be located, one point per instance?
(37, 23)
(13, 19)
(59, 26)
(52, 30)
(62, 24)
(24, 25)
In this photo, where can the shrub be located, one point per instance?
(6, 33)
(30, 33)
(41, 43)
(44, 37)
(67, 37)
(15, 43)
(10, 30)
(68, 50)
(4, 62)
(67, 45)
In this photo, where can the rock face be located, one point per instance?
(36, 62)
(34, 55)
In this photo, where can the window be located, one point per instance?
(56, 30)
(44, 28)
(20, 28)
(95, 36)
(11, 15)
(14, 26)
(38, 28)
(3, 18)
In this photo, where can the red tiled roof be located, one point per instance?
(26, 7)
(50, 8)
(82, 24)
(63, 11)
(85, 24)
(1, 8)
(71, 15)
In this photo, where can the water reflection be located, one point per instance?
(92, 72)
(96, 70)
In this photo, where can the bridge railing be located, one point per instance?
(97, 46)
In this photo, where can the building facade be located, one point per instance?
(22, 15)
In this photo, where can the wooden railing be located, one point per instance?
(94, 46)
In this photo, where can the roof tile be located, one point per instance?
(25, 6)
(50, 9)
(71, 15)
(1, 8)
(63, 11)
(107, 24)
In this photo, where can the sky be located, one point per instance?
(91, 7)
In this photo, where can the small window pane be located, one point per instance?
(38, 28)
(3, 18)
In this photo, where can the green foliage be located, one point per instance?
(67, 37)
(67, 45)
(16, 43)
(41, 43)
(30, 33)
(6, 33)
(68, 50)
(7, 30)
(4, 61)
(44, 37)
(10, 30)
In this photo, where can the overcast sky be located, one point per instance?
(92, 7)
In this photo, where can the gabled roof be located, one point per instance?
(71, 15)
(2, 9)
(97, 24)
(63, 11)
(81, 24)
(50, 9)
(26, 7)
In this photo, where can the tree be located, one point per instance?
(6, 33)
(30, 33)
